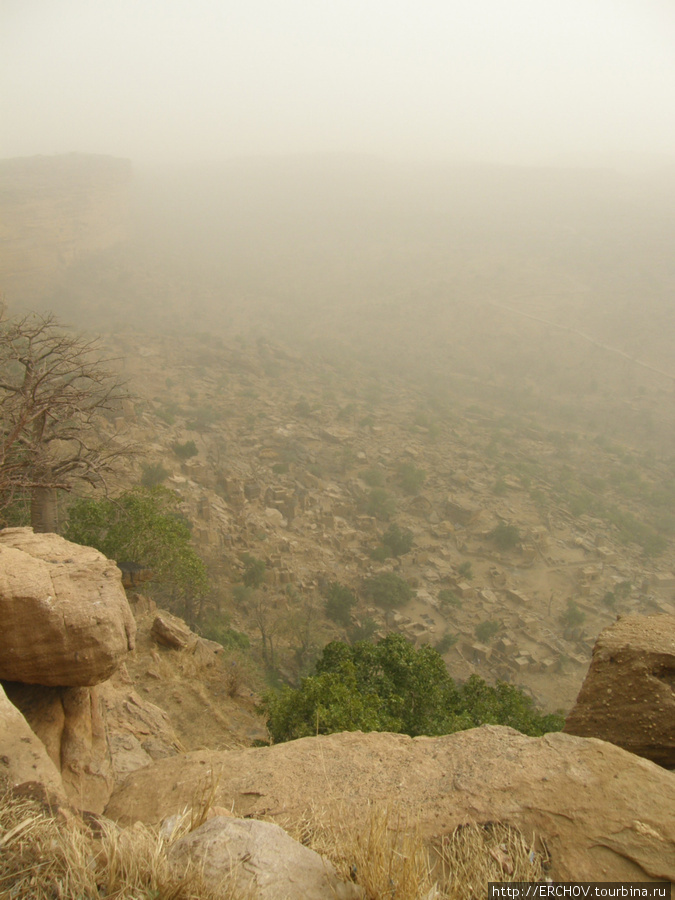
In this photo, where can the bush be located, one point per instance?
(465, 570)
(184, 451)
(373, 477)
(398, 541)
(254, 571)
(506, 537)
(391, 686)
(339, 603)
(446, 642)
(485, 631)
(380, 504)
(411, 478)
(388, 590)
(449, 598)
(572, 617)
(153, 475)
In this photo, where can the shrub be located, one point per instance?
(388, 590)
(485, 631)
(254, 571)
(411, 478)
(465, 570)
(373, 477)
(339, 603)
(153, 475)
(446, 642)
(449, 598)
(185, 451)
(398, 541)
(506, 537)
(572, 616)
(380, 504)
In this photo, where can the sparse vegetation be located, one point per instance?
(485, 631)
(411, 478)
(505, 536)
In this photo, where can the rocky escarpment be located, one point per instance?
(604, 814)
(54, 211)
(628, 696)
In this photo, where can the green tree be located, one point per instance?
(380, 504)
(387, 589)
(391, 686)
(254, 571)
(145, 526)
(339, 603)
(399, 541)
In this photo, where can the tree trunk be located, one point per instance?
(43, 510)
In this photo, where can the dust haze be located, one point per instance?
(338, 244)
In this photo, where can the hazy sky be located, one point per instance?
(505, 80)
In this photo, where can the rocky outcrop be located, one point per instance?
(65, 616)
(604, 814)
(94, 736)
(23, 757)
(265, 862)
(628, 696)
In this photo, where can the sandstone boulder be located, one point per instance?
(604, 814)
(170, 631)
(23, 757)
(65, 617)
(264, 862)
(93, 736)
(628, 696)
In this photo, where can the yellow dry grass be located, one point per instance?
(47, 854)
(388, 857)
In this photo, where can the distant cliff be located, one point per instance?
(55, 210)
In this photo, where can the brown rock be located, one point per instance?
(170, 631)
(265, 862)
(23, 758)
(603, 813)
(628, 696)
(65, 617)
(94, 736)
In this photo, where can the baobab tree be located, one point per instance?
(55, 389)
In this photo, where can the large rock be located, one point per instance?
(94, 736)
(265, 863)
(23, 757)
(604, 814)
(628, 696)
(65, 617)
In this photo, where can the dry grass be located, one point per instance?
(51, 854)
(389, 858)
(47, 854)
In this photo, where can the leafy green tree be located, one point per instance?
(387, 589)
(339, 603)
(399, 541)
(145, 526)
(254, 571)
(391, 686)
